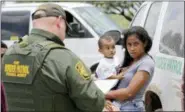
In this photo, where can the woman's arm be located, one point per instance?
(137, 82)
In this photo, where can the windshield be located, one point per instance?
(14, 24)
(97, 19)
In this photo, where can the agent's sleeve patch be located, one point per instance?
(80, 68)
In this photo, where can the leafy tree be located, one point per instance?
(124, 8)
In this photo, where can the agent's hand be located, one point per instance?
(108, 106)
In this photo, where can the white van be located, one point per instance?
(88, 20)
(165, 23)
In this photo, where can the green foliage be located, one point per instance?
(121, 12)
(124, 8)
(21, 1)
(120, 20)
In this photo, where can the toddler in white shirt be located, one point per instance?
(107, 68)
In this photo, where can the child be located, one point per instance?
(107, 67)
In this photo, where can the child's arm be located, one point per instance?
(112, 77)
(119, 76)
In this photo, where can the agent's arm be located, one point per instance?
(82, 89)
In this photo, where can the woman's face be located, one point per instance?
(135, 47)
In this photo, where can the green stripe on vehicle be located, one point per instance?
(171, 65)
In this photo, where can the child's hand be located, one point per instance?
(122, 73)
(124, 69)
(120, 76)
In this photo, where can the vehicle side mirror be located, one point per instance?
(116, 36)
(81, 33)
(120, 42)
(75, 30)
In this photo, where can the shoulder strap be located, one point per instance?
(46, 46)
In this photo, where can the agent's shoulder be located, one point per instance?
(62, 55)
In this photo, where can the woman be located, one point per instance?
(130, 90)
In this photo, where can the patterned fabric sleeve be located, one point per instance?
(3, 100)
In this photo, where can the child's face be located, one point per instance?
(108, 48)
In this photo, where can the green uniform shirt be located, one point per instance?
(63, 83)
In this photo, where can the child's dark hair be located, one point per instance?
(142, 35)
(104, 37)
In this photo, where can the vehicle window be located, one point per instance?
(139, 17)
(14, 24)
(172, 35)
(95, 18)
(71, 19)
(152, 18)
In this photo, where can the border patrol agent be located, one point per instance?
(40, 74)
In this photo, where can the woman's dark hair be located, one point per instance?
(142, 35)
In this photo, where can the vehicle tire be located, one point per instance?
(153, 103)
(148, 108)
